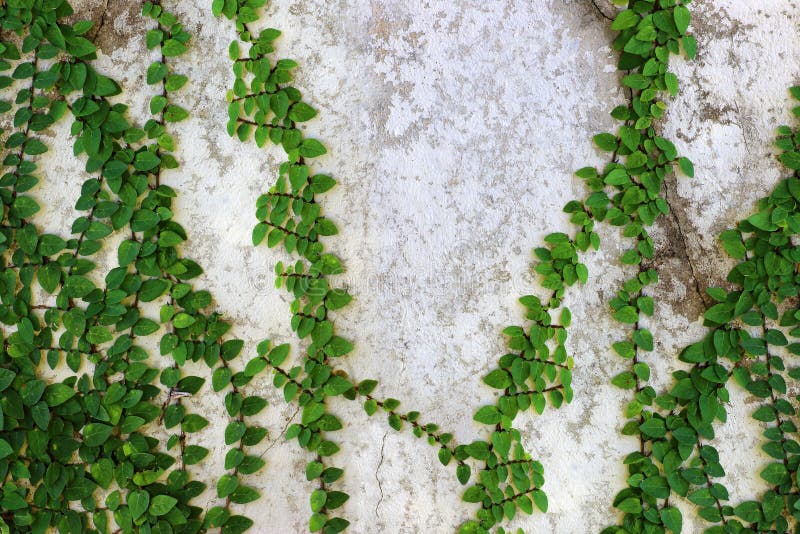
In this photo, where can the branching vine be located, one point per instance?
(82, 453)
(87, 437)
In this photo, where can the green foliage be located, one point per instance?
(79, 455)
(626, 193)
(750, 327)
(263, 105)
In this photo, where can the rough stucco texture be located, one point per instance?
(453, 129)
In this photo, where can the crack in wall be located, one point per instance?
(102, 22)
(282, 432)
(600, 10)
(673, 214)
(377, 478)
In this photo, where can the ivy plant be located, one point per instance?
(78, 454)
(752, 328)
(112, 444)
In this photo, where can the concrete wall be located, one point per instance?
(453, 128)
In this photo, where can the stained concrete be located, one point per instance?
(453, 129)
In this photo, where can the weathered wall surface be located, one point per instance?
(453, 129)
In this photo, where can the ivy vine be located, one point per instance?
(76, 454)
(112, 444)
(749, 331)
(263, 105)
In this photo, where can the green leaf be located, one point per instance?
(686, 166)
(95, 434)
(624, 380)
(221, 378)
(312, 411)
(316, 522)
(642, 370)
(463, 473)
(103, 472)
(162, 504)
(34, 147)
(582, 272)
(314, 470)
(672, 518)
(216, 7)
(172, 48)
(337, 385)
(772, 505)
(251, 464)
(278, 354)
(732, 242)
(749, 511)
(656, 486)
(318, 499)
(540, 499)
(153, 38)
(644, 339)
(5, 448)
(127, 252)
(79, 46)
(138, 501)
(498, 379)
(690, 46)
(226, 485)
(627, 314)
(234, 432)
(259, 233)
(654, 428)
(763, 221)
(49, 276)
(152, 289)
(682, 18)
(156, 72)
(630, 137)
(57, 394)
(626, 349)
(145, 161)
(625, 19)
(311, 148)
(618, 176)
(606, 141)
(50, 244)
(157, 104)
(6, 377)
(671, 81)
(175, 113)
(244, 494)
(301, 112)
(631, 505)
(25, 206)
(719, 313)
(183, 320)
(175, 82)
(775, 473)
(98, 335)
(193, 454)
(193, 423)
(488, 415)
(320, 183)
(474, 494)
